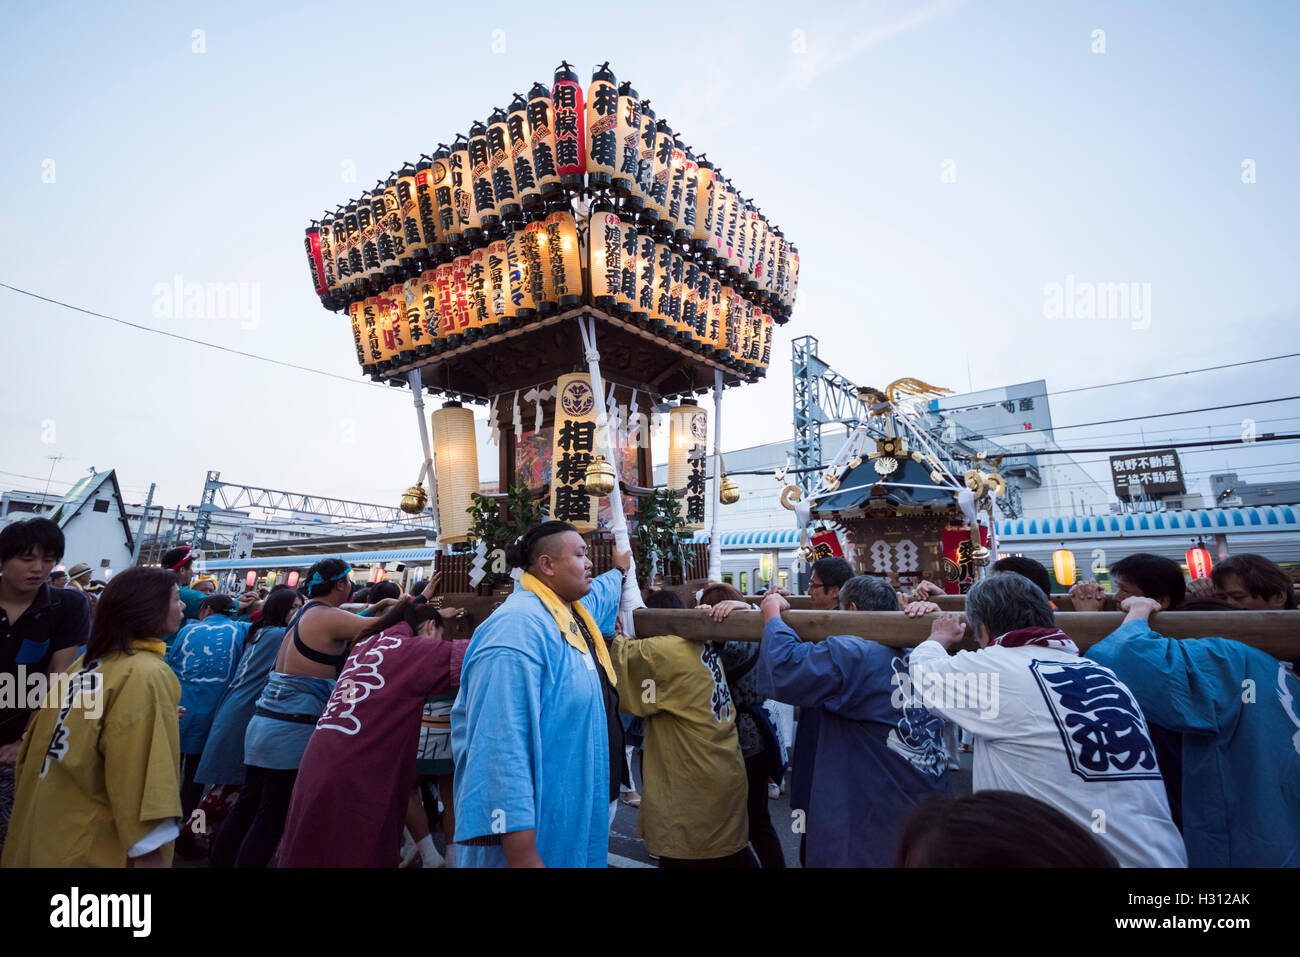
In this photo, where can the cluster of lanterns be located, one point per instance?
(1199, 563)
(481, 235)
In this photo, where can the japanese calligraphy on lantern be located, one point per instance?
(573, 448)
(1152, 473)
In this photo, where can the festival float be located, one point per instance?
(572, 263)
(906, 506)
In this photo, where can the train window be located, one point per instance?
(744, 583)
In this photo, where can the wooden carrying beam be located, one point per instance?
(1274, 632)
(946, 602)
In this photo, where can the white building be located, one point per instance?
(92, 517)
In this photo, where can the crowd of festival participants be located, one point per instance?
(326, 725)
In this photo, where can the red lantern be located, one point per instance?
(293, 580)
(1198, 562)
(378, 574)
(250, 579)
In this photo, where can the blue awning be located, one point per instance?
(788, 537)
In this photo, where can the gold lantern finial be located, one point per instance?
(729, 492)
(599, 478)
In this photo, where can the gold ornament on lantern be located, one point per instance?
(414, 499)
(729, 494)
(599, 479)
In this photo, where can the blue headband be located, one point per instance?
(317, 580)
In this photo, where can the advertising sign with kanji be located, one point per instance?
(573, 448)
(1147, 474)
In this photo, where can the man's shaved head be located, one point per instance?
(544, 539)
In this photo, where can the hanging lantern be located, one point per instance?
(502, 166)
(497, 285)
(358, 336)
(444, 280)
(740, 249)
(646, 299)
(721, 214)
(417, 334)
(645, 162)
(250, 579)
(754, 240)
(480, 164)
(570, 123)
(703, 308)
(377, 575)
(765, 356)
(1063, 566)
(444, 201)
(377, 306)
(605, 246)
(662, 309)
(292, 580)
(521, 153)
(687, 437)
(676, 287)
(732, 313)
(372, 333)
(538, 260)
(379, 213)
(459, 299)
(702, 231)
(430, 306)
(356, 265)
(342, 246)
(396, 302)
(426, 204)
(676, 185)
(312, 244)
(408, 210)
(455, 456)
(414, 499)
(462, 192)
(628, 134)
(328, 261)
(691, 324)
(599, 479)
(1199, 563)
(562, 256)
(793, 287)
(663, 156)
(686, 225)
(628, 268)
(523, 306)
(370, 270)
(602, 128)
(769, 268)
(541, 133)
(481, 322)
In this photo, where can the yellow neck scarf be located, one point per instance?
(568, 626)
(150, 644)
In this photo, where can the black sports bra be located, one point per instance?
(311, 654)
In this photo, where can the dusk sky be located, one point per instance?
(939, 165)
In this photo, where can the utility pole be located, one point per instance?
(54, 460)
(157, 531)
(171, 532)
(144, 517)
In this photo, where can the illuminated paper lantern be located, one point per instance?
(444, 201)
(687, 444)
(387, 335)
(768, 284)
(315, 260)
(352, 229)
(1198, 562)
(250, 579)
(369, 251)
(522, 306)
(541, 133)
(537, 257)
(740, 244)
(396, 300)
(573, 449)
(792, 289)
(455, 462)
(388, 230)
(605, 247)
(500, 310)
(1063, 566)
(383, 240)
(756, 238)
(521, 153)
(408, 209)
(359, 337)
(342, 266)
(570, 123)
(628, 134)
(722, 216)
(627, 299)
(729, 330)
(329, 261)
(663, 156)
(417, 332)
(690, 302)
(481, 322)
(782, 274)
(686, 226)
(372, 331)
(502, 165)
(677, 188)
(645, 165)
(703, 299)
(765, 357)
(676, 284)
(562, 257)
(646, 299)
(602, 145)
(426, 205)
(662, 310)
(468, 221)
(485, 204)
(430, 309)
(702, 230)
(444, 276)
(460, 299)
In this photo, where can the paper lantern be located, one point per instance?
(427, 290)
(459, 299)
(645, 163)
(329, 260)
(663, 156)
(342, 265)
(359, 338)
(408, 209)
(292, 580)
(728, 337)
(538, 260)
(721, 212)
(502, 165)
(444, 200)
(1198, 562)
(602, 128)
(702, 231)
(703, 300)
(444, 277)
(426, 202)
(754, 238)
(676, 280)
(686, 225)
(541, 133)
(605, 245)
(687, 441)
(462, 192)
(740, 247)
(1063, 565)
(646, 299)
(676, 183)
(417, 330)
(377, 575)
(396, 299)
(480, 164)
(499, 307)
(690, 301)
(372, 322)
(628, 266)
(522, 305)
(481, 322)
(765, 357)
(250, 579)
(769, 284)
(570, 123)
(628, 134)
(385, 239)
(662, 308)
(369, 252)
(356, 268)
(792, 288)
(455, 462)
(562, 256)
(521, 153)
(315, 260)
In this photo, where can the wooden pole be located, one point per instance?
(1273, 632)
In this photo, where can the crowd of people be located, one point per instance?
(325, 725)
